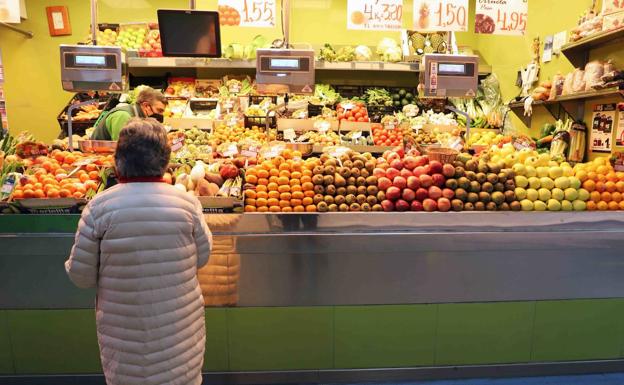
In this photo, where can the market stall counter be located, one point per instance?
(321, 297)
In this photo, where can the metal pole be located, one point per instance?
(192, 4)
(28, 34)
(286, 22)
(94, 26)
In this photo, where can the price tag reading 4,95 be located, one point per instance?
(501, 17)
(440, 15)
(247, 13)
(380, 15)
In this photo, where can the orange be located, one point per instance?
(295, 182)
(261, 202)
(594, 196)
(53, 193)
(261, 188)
(295, 175)
(285, 196)
(610, 186)
(602, 178)
(283, 188)
(299, 209)
(603, 170)
(250, 202)
(18, 194)
(263, 209)
(307, 172)
(309, 194)
(283, 204)
(249, 193)
(287, 209)
(273, 202)
(590, 185)
(263, 181)
(274, 172)
(611, 176)
(29, 193)
(311, 209)
(274, 194)
(60, 157)
(69, 159)
(297, 194)
(38, 186)
(261, 195)
(592, 176)
(94, 175)
(64, 193)
(287, 153)
(251, 179)
(606, 196)
(602, 206)
(251, 171)
(614, 206)
(296, 202)
(600, 187)
(272, 186)
(621, 205)
(284, 167)
(78, 195)
(80, 188)
(297, 154)
(250, 209)
(306, 179)
(41, 159)
(284, 173)
(275, 209)
(39, 194)
(616, 196)
(28, 186)
(263, 173)
(620, 186)
(84, 177)
(307, 186)
(307, 201)
(591, 206)
(59, 171)
(40, 171)
(47, 165)
(273, 179)
(295, 188)
(91, 185)
(282, 180)
(91, 167)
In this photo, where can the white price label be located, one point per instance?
(440, 15)
(375, 15)
(356, 135)
(501, 17)
(231, 150)
(289, 134)
(247, 13)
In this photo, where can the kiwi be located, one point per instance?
(328, 199)
(322, 207)
(330, 162)
(475, 187)
(351, 181)
(500, 186)
(492, 178)
(377, 207)
(487, 187)
(371, 199)
(471, 175)
(318, 170)
(344, 172)
(457, 205)
(491, 206)
(473, 197)
(361, 190)
(364, 172)
(355, 172)
(358, 164)
(469, 206)
(483, 168)
(360, 198)
(381, 196)
(366, 207)
(341, 191)
(352, 190)
(485, 197)
(481, 178)
(371, 180)
(347, 163)
(451, 183)
(504, 207)
(479, 206)
(461, 194)
(330, 170)
(370, 165)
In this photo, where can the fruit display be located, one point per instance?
(181, 87)
(352, 111)
(219, 179)
(175, 108)
(223, 133)
(328, 138)
(108, 37)
(604, 186)
(484, 138)
(131, 38)
(402, 97)
(152, 46)
(386, 136)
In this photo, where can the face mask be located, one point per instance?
(159, 117)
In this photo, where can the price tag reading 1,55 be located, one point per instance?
(440, 15)
(247, 13)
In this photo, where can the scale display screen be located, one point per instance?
(456, 69)
(284, 64)
(91, 60)
(84, 61)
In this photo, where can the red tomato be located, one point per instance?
(358, 115)
(361, 119)
(348, 114)
(351, 119)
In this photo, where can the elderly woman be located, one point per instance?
(140, 244)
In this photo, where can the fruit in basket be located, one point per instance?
(386, 137)
(131, 38)
(54, 183)
(352, 111)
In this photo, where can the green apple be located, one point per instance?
(557, 194)
(521, 193)
(542, 172)
(530, 171)
(583, 195)
(534, 182)
(562, 182)
(544, 194)
(519, 169)
(527, 205)
(571, 194)
(554, 205)
(575, 182)
(532, 194)
(539, 206)
(547, 183)
(566, 205)
(555, 172)
(579, 205)
(521, 181)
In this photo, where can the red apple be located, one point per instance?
(383, 183)
(399, 150)
(408, 195)
(418, 171)
(436, 167)
(448, 170)
(402, 205)
(422, 160)
(379, 172)
(427, 169)
(448, 193)
(430, 205)
(438, 180)
(393, 193)
(383, 165)
(422, 194)
(410, 162)
(434, 192)
(405, 173)
(399, 182)
(392, 156)
(392, 173)
(413, 183)
(398, 164)
(416, 206)
(413, 152)
(444, 204)
(425, 180)
(387, 205)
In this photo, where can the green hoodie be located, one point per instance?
(110, 123)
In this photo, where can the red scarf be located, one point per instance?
(141, 179)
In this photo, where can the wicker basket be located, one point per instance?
(442, 155)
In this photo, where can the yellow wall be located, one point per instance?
(34, 95)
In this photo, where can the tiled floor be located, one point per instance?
(593, 379)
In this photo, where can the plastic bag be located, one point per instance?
(593, 72)
(557, 86)
(579, 81)
(609, 67)
(567, 84)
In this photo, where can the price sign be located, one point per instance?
(247, 13)
(440, 15)
(603, 124)
(501, 17)
(289, 134)
(375, 15)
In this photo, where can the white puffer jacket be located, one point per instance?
(140, 245)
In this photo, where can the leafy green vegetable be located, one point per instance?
(378, 97)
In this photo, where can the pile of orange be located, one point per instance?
(605, 185)
(281, 184)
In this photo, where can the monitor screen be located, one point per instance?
(189, 33)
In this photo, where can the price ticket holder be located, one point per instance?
(89, 68)
(455, 76)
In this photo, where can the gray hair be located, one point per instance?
(142, 149)
(150, 95)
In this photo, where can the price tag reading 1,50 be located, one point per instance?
(440, 15)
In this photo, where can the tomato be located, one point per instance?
(383, 137)
(348, 114)
(351, 119)
(360, 104)
(360, 119)
(388, 143)
(358, 115)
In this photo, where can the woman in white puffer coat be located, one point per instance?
(140, 244)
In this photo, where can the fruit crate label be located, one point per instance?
(501, 17)
(231, 150)
(440, 15)
(247, 13)
(375, 15)
(177, 144)
(289, 134)
(356, 135)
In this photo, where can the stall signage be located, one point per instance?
(247, 13)
(375, 15)
(501, 17)
(440, 15)
(603, 122)
(10, 11)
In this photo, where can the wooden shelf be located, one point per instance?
(578, 52)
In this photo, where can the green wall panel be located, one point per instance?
(216, 356)
(384, 336)
(577, 330)
(39, 223)
(484, 333)
(6, 354)
(54, 341)
(280, 338)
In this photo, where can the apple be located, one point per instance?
(398, 164)
(448, 194)
(405, 173)
(413, 183)
(436, 167)
(416, 206)
(418, 171)
(387, 205)
(379, 172)
(435, 192)
(448, 170)
(402, 205)
(392, 173)
(422, 160)
(444, 204)
(399, 182)
(384, 183)
(438, 180)
(427, 169)
(430, 205)
(410, 162)
(383, 165)
(425, 180)
(408, 195)
(393, 193)
(422, 194)
(399, 150)
(390, 156)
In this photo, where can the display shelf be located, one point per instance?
(578, 52)
(318, 149)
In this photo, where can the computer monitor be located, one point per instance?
(189, 33)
